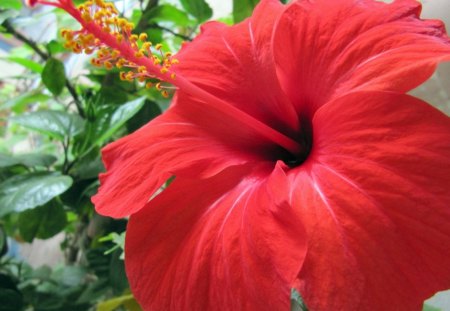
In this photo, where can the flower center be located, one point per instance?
(305, 140)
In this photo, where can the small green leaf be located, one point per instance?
(427, 307)
(26, 191)
(10, 300)
(108, 124)
(243, 9)
(297, 303)
(113, 304)
(56, 124)
(24, 99)
(4, 15)
(30, 160)
(11, 4)
(167, 13)
(54, 76)
(198, 8)
(25, 62)
(42, 222)
(70, 276)
(3, 241)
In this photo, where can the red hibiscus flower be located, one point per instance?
(299, 162)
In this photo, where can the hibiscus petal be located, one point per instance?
(324, 49)
(186, 141)
(236, 64)
(230, 242)
(375, 203)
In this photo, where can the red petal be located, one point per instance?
(375, 203)
(326, 48)
(185, 141)
(236, 64)
(227, 243)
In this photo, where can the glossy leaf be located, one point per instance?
(28, 98)
(11, 4)
(56, 124)
(42, 222)
(243, 9)
(167, 13)
(127, 300)
(109, 123)
(54, 76)
(198, 8)
(31, 159)
(25, 62)
(26, 191)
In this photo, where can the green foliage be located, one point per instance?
(197, 8)
(243, 9)
(297, 303)
(54, 76)
(56, 124)
(26, 191)
(42, 222)
(53, 128)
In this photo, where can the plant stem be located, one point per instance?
(44, 56)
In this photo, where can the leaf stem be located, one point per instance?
(44, 56)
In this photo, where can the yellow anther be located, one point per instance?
(158, 46)
(164, 70)
(106, 29)
(115, 54)
(174, 61)
(173, 75)
(146, 46)
(88, 51)
(148, 85)
(133, 38)
(168, 54)
(165, 94)
(123, 75)
(156, 60)
(158, 86)
(139, 54)
(119, 38)
(130, 26)
(108, 65)
(120, 63)
(129, 76)
(86, 17)
(142, 69)
(142, 79)
(143, 36)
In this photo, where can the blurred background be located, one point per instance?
(56, 112)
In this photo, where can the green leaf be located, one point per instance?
(54, 76)
(4, 15)
(297, 303)
(3, 241)
(10, 300)
(167, 13)
(112, 304)
(108, 124)
(30, 160)
(243, 9)
(56, 124)
(427, 307)
(42, 222)
(27, 191)
(24, 99)
(69, 276)
(149, 111)
(197, 8)
(25, 62)
(11, 4)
